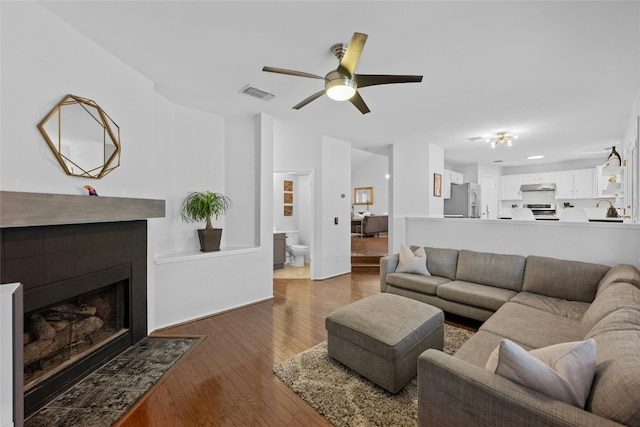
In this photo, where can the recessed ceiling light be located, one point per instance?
(535, 157)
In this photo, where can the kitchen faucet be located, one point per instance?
(603, 200)
(611, 212)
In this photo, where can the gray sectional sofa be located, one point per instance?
(535, 302)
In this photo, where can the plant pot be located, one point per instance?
(210, 239)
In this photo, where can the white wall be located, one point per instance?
(371, 173)
(600, 243)
(167, 150)
(43, 59)
(242, 181)
(436, 165)
(304, 205)
(411, 190)
(335, 249)
(413, 166)
(280, 221)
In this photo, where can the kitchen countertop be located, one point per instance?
(555, 218)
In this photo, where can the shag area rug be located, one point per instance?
(347, 399)
(105, 395)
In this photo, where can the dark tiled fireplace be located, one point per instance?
(85, 293)
(57, 265)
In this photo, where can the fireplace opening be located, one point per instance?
(58, 335)
(74, 326)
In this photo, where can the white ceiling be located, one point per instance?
(562, 75)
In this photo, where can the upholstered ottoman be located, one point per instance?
(381, 336)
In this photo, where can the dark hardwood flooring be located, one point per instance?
(227, 379)
(369, 246)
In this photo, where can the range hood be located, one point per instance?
(538, 187)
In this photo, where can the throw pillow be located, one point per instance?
(562, 371)
(412, 262)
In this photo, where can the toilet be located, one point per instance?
(295, 252)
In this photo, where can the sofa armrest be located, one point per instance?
(388, 264)
(452, 392)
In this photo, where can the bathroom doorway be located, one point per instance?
(293, 216)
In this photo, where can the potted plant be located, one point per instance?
(201, 206)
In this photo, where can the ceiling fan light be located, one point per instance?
(340, 89)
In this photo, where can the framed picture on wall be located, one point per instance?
(288, 210)
(437, 185)
(288, 197)
(288, 185)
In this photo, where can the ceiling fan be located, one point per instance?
(343, 83)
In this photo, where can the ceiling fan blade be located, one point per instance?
(352, 55)
(364, 80)
(359, 103)
(308, 100)
(291, 72)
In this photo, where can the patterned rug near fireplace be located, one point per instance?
(347, 399)
(105, 395)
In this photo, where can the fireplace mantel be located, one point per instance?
(18, 209)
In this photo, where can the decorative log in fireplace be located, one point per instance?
(57, 265)
(57, 335)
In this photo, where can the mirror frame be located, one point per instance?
(110, 135)
(368, 191)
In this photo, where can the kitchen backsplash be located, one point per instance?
(536, 197)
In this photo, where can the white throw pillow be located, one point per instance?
(563, 371)
(412, 262)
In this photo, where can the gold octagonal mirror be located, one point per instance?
(84, 139)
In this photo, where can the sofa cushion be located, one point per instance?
(442, 262)
(414, 282)
(561, 307)
(615, 296)
(620, 273)
(412, 261)
(562, 371)
(479, 348)
(498, 270)
(570, 280)
(622, 319)
(614, 393)
(475, 294)
(531, 327)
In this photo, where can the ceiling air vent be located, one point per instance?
(257, 93)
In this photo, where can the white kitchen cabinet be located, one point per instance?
(575, 184)
(583, 183)
(510, 187)
(564, 185)
(538, 178)
(456, 177)
(446, 184)
(450, 177)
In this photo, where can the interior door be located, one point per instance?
(489, 197)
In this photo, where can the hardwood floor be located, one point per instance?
(369, 246)
(226, 380)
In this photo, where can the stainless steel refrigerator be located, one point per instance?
(464, 201)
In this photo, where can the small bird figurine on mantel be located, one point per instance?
(92, 191)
